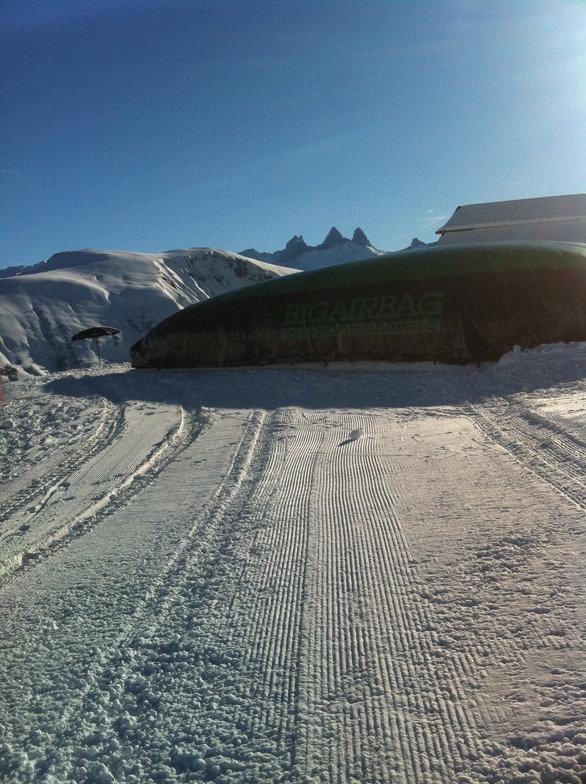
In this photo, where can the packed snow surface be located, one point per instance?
(346, 574)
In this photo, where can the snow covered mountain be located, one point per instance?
(42, 306)
(335, 249)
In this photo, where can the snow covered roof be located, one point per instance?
(549, 219)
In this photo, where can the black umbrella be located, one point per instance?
(95, 333)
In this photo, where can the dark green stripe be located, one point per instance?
(423, 263)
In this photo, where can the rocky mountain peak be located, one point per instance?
(335, 249)
(295, 247)
(333, 238)
(297, 243)
(360, 238)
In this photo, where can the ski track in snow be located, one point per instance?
(294, 594)
(548, 447)
(77, 488)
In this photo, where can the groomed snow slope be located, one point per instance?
(324, 575)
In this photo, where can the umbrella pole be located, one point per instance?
(98, 352)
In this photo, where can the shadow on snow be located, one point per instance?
(320, 387)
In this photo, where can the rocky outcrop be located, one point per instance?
(333, 250)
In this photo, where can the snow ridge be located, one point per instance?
(335, 249)
(41, 309)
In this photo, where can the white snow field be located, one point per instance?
(346, 574)
(43, 306)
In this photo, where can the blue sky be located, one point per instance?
(147, 125)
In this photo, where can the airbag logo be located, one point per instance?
(388, 314)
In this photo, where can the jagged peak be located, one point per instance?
(296, 241)
(333, 238)
(295, 247)
(334, 249)
(360, 238)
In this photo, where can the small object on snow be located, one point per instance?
(95, 333)
(355, 434)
